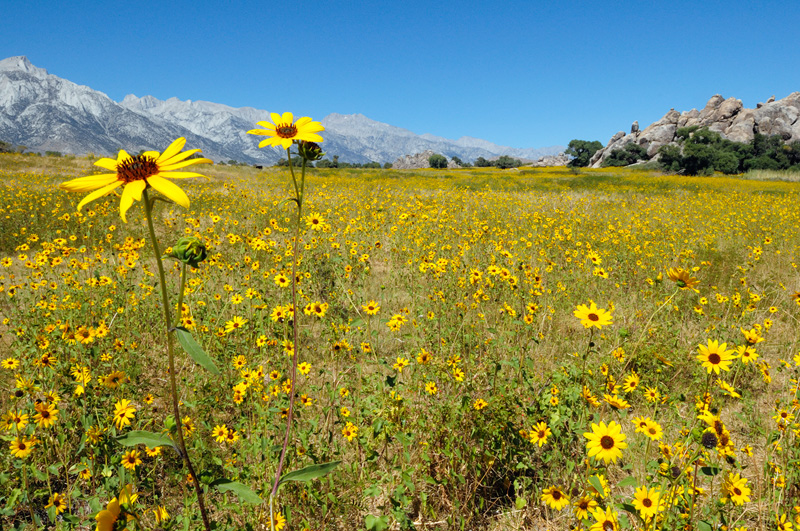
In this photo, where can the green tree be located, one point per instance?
(387, 165)
(457, 161)
(481, 162)
(437, 161)
(582, 152)
(504, 162)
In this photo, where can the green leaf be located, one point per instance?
(194, 349)
(309, 473)
(520, 502)
(710, 470)
(150, 439)
(377, 523)
(594, 481)
(629, 481)
(244, 492)
(702, 525)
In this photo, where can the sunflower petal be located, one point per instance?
(179, 157)
(190, 162)
(88, 183)
(302, 121)
(261, 132)
(132, 190)
(180, 174)
(98, 193)
(275, 117)
(107, 163)
(170, 190)
(268, 125)
(287, 118)
(310, 137)
(173, 148)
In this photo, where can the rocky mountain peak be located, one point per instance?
(21, 63)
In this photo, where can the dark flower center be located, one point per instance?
(647, 502)
(737, 491)
(22, 446)
(137, 168)
(607, 442)
(556, 495)
(286, 130)
(714, 358)
(593, 317)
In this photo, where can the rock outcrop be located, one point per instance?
(727, 117)
(418, 160)
(554, 160)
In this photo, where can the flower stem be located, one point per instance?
(148, 209)
(296, 345)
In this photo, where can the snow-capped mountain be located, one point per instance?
(45, 112)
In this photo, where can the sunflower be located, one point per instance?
(682, 278)
(22, 447)
(646, 502)
(606, 442)
(131, 459)
(736, 489)
(46, 415)
(592, 316)
(605, 520)
(583, 506)
(539, 434)
(124, 411)
(371, 308)
(284, 130)
(138, 172)
(555, 498)
(58, 501)
(715, 357)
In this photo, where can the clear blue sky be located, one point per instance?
(522, 74)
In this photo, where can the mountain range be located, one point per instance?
(47, 113)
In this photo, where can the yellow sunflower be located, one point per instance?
(683, 278)
(138, 172)
(592, 316)
(285, 130)
(606, 442)
(715, 356)
(555, 498)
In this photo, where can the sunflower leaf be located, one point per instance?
(309, 473)
(150, 439)
(595, 482)
(244, 492)
(710, 470)
(629, 481)
(194, 349)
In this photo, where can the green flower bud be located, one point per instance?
(310, 151)
(189, 250)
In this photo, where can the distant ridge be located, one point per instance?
(45, 112)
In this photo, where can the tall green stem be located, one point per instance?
(148, 209)
(296, 344)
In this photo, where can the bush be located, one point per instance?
(481, 162)
(582, 152)
(630, 154)
(437, 161)
(504, 162)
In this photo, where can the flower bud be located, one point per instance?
(189, 250)
(310, 151)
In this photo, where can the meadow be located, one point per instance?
(478, 349)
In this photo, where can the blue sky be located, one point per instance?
(521, 74)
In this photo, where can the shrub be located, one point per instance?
(437, 161)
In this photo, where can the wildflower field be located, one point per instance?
(475, 349)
